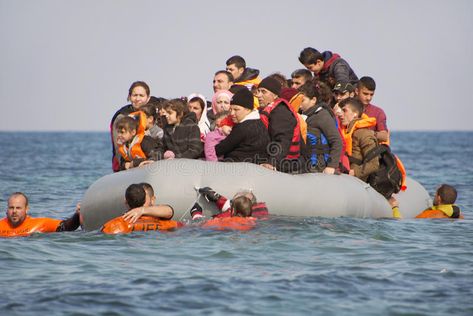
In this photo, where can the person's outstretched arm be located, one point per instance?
(162, 211)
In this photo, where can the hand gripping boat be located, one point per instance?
(174, 182)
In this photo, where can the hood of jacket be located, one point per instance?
(248, 74)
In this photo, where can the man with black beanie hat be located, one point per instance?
(283, 126)
(249, 138)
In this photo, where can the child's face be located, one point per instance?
(149, 122)
(171, 117)
(124, 136)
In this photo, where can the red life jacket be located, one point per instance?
(295, 148)
(231, 223)
(257, 210)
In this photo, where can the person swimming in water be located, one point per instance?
(19, 223)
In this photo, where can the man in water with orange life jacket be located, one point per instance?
(141, 214)
(258, 209)
(240, 219)
(443, 207)
(239, 213)
(283, 126)
(18, 223)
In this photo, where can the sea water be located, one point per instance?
(286, 266)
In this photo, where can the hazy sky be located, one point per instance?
(67, 65)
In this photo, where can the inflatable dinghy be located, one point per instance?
(175, 182)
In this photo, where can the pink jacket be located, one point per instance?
(211, 140)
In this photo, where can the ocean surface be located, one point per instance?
(286, 266)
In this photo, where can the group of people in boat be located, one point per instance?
(321, 119)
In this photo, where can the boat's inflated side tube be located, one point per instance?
(174, 182)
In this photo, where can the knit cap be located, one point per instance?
(271, 84)
(243, 98)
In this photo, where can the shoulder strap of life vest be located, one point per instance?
(294, 149)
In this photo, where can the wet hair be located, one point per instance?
(228, 74)
(20, 194)
(309, 90)
(447, 194)
(367, 82)
(201, 102)
(354, 104)
(127, 123)
(236, 60)
(306, 74)
(280, 78)
(148, 188)
(177, 105)
(309, 56)
(246, 193)
(242, 206)
(135, 84)
(135, 196)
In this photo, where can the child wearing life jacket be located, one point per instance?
(135, 147)
(181, 133)
(142, 215)
(444, 206)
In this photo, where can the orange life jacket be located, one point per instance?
(145, 223)
(442, 211)
(400, 165)
(249, 83)
(231, 223)
(29, 226)
(363, 122)
(295, 148)
(134, 149)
